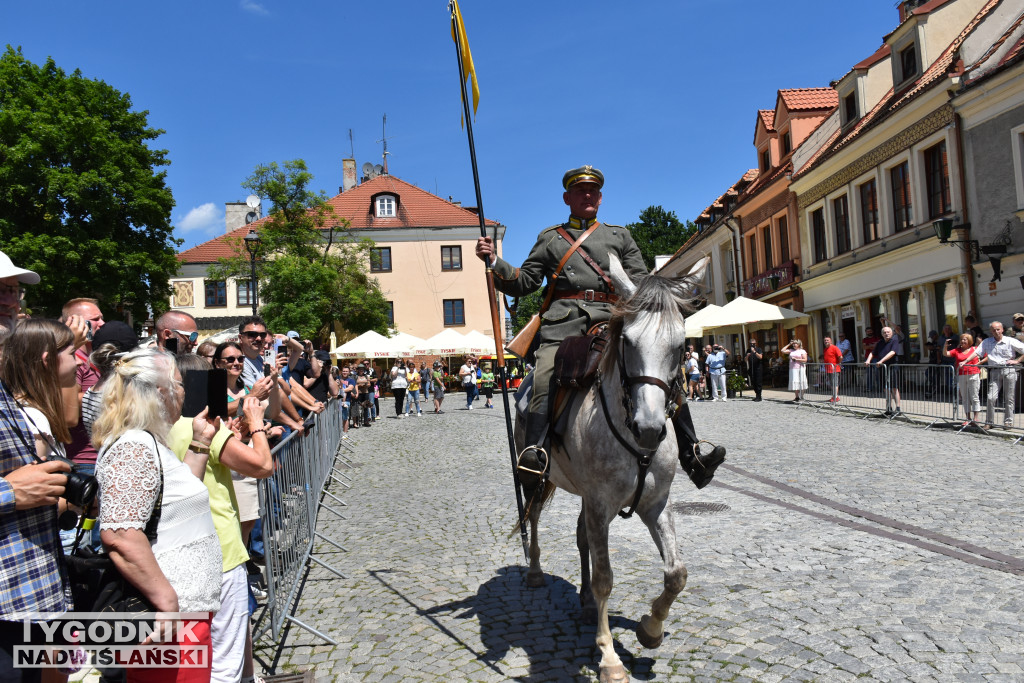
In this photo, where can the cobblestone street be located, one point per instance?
(828, 548)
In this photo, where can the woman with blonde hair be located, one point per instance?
(177, 568)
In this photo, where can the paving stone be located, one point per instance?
(784, 583)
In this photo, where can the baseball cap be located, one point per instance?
(8, 269)
(1018, 316)
(292, 334)
(117, 333)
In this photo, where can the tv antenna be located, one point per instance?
(384, 139)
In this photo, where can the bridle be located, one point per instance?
(644, 457)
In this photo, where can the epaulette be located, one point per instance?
(612, 225)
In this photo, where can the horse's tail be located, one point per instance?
(540, 497)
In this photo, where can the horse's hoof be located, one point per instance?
(614, 674)
(645, 638)
(535, 580)
(588, 614)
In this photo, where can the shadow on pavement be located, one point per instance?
(544, 623)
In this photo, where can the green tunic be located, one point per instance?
(566, 317)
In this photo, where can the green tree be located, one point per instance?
(659, 232)
(312, 271)
(525, 308)
(81, 201)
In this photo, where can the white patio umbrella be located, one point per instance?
(696, 322)
(479, 342)
(405, 344)
(367, 345)
(756, 315)
(445, 343)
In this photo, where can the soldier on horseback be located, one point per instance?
(582, 297)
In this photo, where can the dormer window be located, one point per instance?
(787, 143)
(385, 206)
(850, 108)
(907, 63)
(766, 160)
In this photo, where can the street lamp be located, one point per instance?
(252, 245)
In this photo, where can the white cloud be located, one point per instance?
(254, 7)
(205, 218)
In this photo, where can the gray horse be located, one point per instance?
(647, 342)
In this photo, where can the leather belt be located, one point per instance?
(588, 295)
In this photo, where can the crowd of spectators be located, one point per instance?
(175, 497)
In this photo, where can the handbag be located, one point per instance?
(522, 344)
(97, 585)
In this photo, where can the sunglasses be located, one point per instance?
(190, 336)
(230, 359)
(255, 335)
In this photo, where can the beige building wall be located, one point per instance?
(418, 286)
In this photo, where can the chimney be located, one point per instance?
(234, 215)
(348, 174)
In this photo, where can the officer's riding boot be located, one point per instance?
(533, 459)
(700, 467)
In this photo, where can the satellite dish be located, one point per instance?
(250, 217)
(367, 169)
(252, 201)
(378, 169)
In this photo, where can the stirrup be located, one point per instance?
(542, 458)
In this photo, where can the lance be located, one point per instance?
(459, 35)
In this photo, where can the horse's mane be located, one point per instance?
(658, 301)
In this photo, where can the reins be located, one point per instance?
(644, 457)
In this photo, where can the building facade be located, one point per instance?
(423, 258)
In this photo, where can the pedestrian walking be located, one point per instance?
(413, 395)
(438, 377)
(399, 384)
(487, 384)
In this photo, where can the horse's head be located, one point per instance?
(648, 337)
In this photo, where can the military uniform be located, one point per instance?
(566, 316)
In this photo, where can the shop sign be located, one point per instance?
(848, 312)
(769, 281)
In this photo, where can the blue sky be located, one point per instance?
(662, 96)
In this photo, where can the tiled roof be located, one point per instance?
(765, 180)
(802, 99)
(225, 246)
(417, 208)
(767, 118)
(893, 101)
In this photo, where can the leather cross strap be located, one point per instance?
(586, 257)
(561, 264)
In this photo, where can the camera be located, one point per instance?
(80, 489)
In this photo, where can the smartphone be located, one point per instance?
(171, 346)
(206, 389)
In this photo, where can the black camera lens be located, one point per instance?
(80, 489)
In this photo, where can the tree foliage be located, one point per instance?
(311, 271)
(525, 308)
(659, 232)
(81, 201)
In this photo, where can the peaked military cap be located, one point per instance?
(583, 174)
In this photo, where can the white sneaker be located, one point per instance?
(724, 400)
(470, 406)
(419, 414)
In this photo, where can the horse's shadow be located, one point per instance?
(545, 623)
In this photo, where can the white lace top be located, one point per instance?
(186, 549)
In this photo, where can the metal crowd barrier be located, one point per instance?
(290, 503)
(924, 391)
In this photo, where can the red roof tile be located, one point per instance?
(417, 208)
(767, 119)
(892, 101)
(803, 99)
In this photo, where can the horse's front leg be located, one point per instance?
(662, 526)
(589, 615)
(597, 522)
(535, 497)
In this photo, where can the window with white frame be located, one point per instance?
(902, 204)
(818, 235)
(905, 63)
(936, 179)
(841, 216)
(385, 206)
